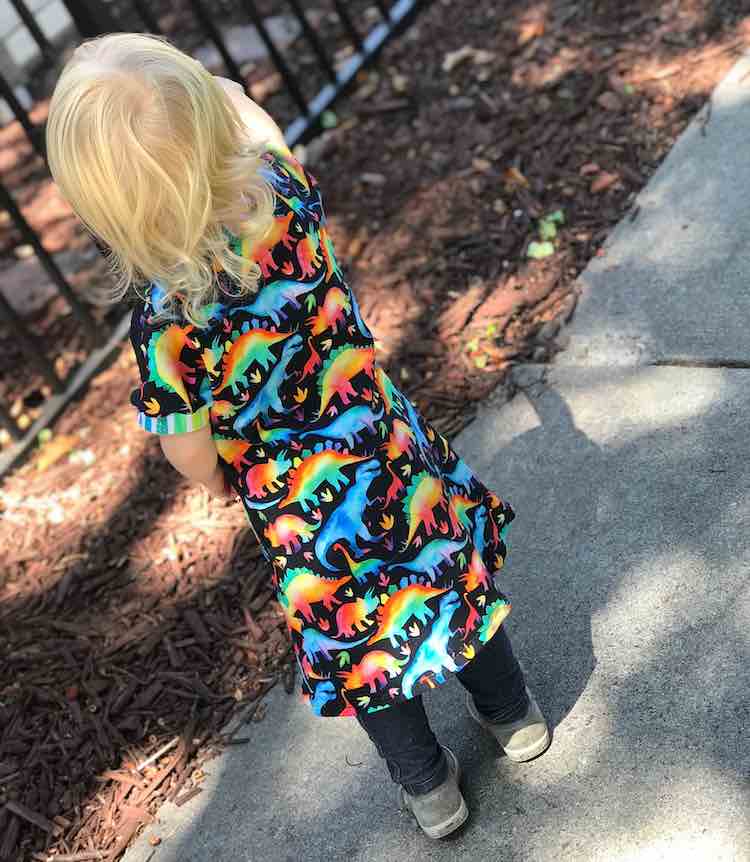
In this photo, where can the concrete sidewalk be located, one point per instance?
(628, 574)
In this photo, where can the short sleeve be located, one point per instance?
(174, 396)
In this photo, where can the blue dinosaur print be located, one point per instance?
(345, 521)
(268, 397)
(275, 296)
(480, 521)
(316, 644)
(432, 654)
(349, 426)
(325, 692)
(431, 557)
(425, 448)
(461, 475)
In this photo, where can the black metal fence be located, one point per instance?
(362, 39)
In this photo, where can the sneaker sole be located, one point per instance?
(442, 830)
(518, 755)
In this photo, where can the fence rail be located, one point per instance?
(365, 46)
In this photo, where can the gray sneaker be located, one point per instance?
(522, 739)
(442, 810)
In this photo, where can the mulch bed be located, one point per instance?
(135, 616)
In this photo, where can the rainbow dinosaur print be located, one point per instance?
(424, 493)
(165, 365)
(253, 346)
(321, 467)
(339, 370)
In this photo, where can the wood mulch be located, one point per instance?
(136, 618)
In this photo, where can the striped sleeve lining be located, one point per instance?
(176, 423)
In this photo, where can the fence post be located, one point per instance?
(91, 17)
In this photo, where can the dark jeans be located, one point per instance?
(402, 733)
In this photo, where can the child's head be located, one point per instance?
(154, 158)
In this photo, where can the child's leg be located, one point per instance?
(500, 701)
(404, 739)
(495, 680)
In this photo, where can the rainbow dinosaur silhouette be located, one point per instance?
(339, 369)
(424, 493)
(321, 467)
(253, 346)
(404, 604)
(164, 352)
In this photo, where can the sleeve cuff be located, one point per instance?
(176, 423)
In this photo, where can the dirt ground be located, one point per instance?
(135, 616)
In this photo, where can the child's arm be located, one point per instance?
(260, 124)
(194, 455)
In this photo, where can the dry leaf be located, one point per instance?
(530, 30)
(54, 450)
(589, 168)
(514, 178)
(603, 182)
(476, 55)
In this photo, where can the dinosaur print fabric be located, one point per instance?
(382, 541)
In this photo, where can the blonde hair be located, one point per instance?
(155, 159)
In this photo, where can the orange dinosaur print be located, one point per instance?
(262, 254)
(375, 669)
(289, 531)
(353, 617)
(308, 254)
(477, 574)
(331, 313)
(233, 452)
(302, 589)
(400, 440)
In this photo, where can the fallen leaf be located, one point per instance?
(603, 182)
(54, 450)
(514, 178)
(399, 82)
(476, 55)
(547, 229)
(539, 250)
(530, 30)
(329, 120)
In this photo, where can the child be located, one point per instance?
(259, 375)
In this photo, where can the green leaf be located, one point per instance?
(472, 345)
(547, 229)
(491, 330)
(44, 435)
(344, 658)
(329, 120)
(557, 216)
(538, 250)
(481, 360)
(311, 301)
